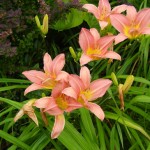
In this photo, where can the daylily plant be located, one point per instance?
(133, 25)
(71, 91)
(103, 11)
(85, 91)
(50, 77)
(95, 47)
(56, 105)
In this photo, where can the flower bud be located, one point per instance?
(44, 27)
(114, 78)
(128, 83)
(73, 54)
(37, 22)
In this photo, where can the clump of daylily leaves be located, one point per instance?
(71, 91)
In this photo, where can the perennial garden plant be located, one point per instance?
(93, 95)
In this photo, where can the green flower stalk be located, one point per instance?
(121, 96)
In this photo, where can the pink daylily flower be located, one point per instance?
(131, 26)
(51, 75)
(95, 47)
(86, 91)
(56, 105)
(103, 11)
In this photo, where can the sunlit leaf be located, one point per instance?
(141, 99)
(127, 122)
(71, 20)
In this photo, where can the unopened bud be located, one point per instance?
(79, 54)
(128, 83)
(73, 54)
(43, 95)
(37, 21)
(44, 27)
(114, 78)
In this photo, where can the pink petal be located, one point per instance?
(131, 13)
(49, 83)
(86, 40)
(96, 110)
(85, 76)
(146, 30)
(52, 107)
(43, 102)
(57, 64)
(57, 90)
(47, 62)
(105, 42)
(99, 87)
(112, 54)
(32, 87)
(92, 9)
(70, 92)
(119, 38)
(104, 6)
(72, 105)
(103, 24)
(143, 17)
(76, 83)
(119, 22)
(35, 76)
(119, 9)
(62, 76)
(84, 59)
(58, 126)
(54, 111)
(95, 34)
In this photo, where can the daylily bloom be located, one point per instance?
(95, 47)
(27, 109)
(51, 75)
(133, 25)
(56, 105)
(84, 92)
(103, 11)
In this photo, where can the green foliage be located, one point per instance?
(69, 21)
